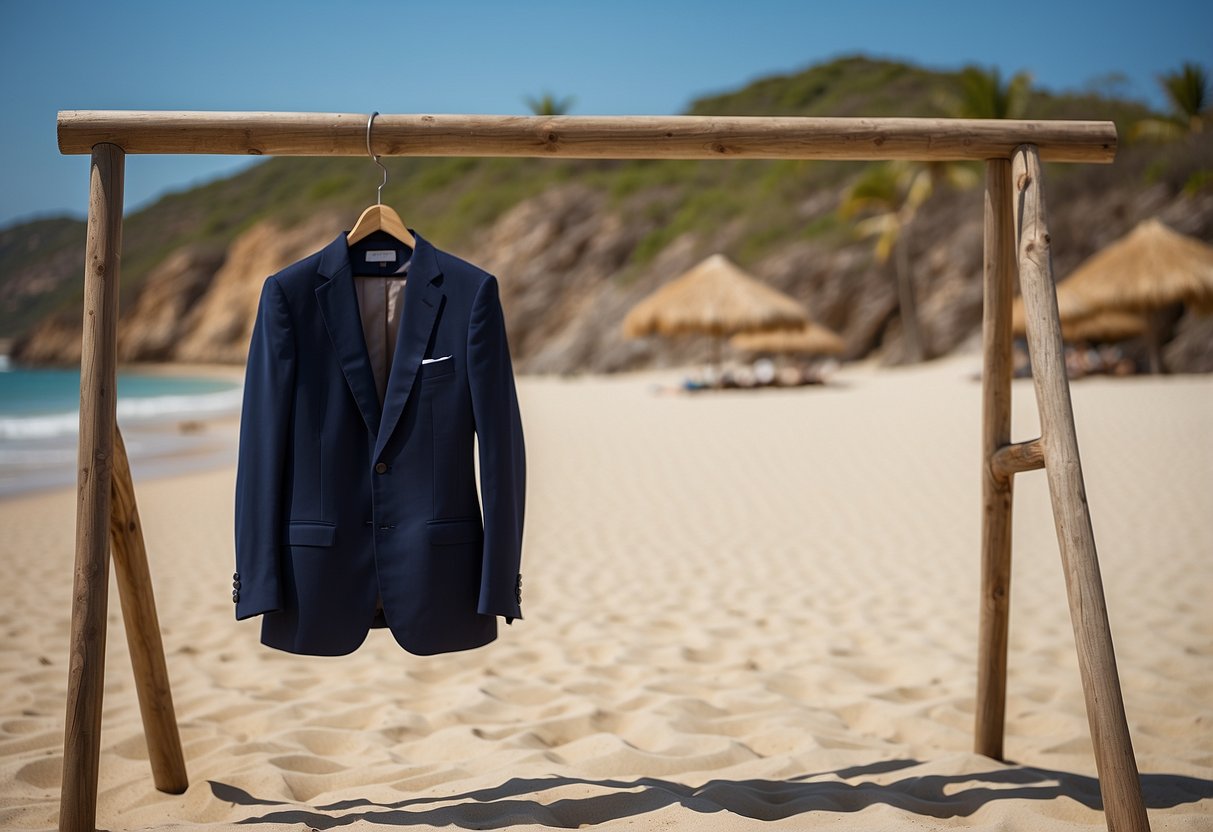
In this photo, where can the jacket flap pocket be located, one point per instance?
(456, 531)
(311, 533)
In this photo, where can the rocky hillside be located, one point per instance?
(575, 243)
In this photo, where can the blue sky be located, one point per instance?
(622, 57)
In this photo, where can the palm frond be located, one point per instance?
(876, 189)
(1157, 130)
(1188, 90)
(549, 105)
(886, 228)
(983, 94)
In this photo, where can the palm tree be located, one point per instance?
(1187, 92)
(548, 105)
(983, 94)
(892, 193)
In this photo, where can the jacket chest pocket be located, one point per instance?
(437, 372)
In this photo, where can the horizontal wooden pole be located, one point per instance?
(583, 137)
(1017, 458)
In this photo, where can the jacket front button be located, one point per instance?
(380, 467)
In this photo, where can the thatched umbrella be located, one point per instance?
(807, 339)
(1149, 269)
(1108, 325)
(714, 298)
(1070, 307)
(1080, 322)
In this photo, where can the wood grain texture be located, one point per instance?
(86, 662)
(996, 490)
(582, 137)
(1117, 767)
(143, 630)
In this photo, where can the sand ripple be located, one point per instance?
(743, 611)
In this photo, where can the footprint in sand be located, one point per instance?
(42, 774)
(23, 726)
(304, 764)
(326, 743)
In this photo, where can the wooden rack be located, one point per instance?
(1016, 243)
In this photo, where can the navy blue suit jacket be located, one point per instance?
(339, 499)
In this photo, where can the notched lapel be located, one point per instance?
(339, 306)
(422, 298)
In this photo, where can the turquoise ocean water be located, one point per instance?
(39, 424)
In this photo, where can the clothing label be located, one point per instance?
(381, 256)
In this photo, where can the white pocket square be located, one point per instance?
(432, 360)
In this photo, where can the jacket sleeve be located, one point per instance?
(502, 454)
(260, 467)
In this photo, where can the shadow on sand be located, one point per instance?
(514, 801)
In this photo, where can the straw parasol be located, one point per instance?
(1070, 307)
(807, 339)
(1109, 325)
(1149, 268)
(1082, 322)
(714, 298)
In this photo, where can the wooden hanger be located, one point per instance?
(379, 217)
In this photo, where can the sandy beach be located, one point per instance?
(744, 610)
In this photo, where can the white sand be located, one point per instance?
(744, 610)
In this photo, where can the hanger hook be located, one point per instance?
(379, 192)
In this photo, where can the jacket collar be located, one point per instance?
(338, 303)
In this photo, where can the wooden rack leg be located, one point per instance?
(1118, 777)
(86, 662)
(143, 630)
(999, 276)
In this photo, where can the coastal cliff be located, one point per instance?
(576, 243)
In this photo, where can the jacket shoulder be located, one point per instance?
(299, 275)
(467, 273)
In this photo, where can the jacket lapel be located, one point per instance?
(339, 306)
(422, 297)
